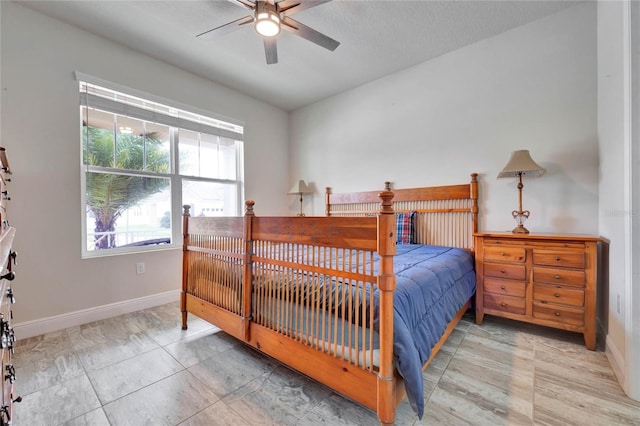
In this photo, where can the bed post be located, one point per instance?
(185, 264)
(247, 279)
(386, 398)
(474, 201)
(327, 201)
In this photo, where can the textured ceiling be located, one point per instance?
(377, 38)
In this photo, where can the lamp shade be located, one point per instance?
(521, 163)
(299, 188)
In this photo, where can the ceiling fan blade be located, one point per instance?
(309, 33)
(289, 7)
(247, 4)
(226, 28)
(271, 50)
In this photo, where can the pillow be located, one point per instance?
(404, 227)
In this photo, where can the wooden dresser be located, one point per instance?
(546, 279)
(7, 275)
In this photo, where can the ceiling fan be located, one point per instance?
(271, 16)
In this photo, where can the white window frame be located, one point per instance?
(229, 128)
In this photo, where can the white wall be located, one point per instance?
(611, 132)
(618, 73)
(533, 88)
(40, 129)
(631, 301)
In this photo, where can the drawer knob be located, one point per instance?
(5, 339)
(12, 340)
(503, 288)
(11, 373)
(558, 258)
(503, 304)
(557, 295)
(503, 271)
(503, 254)
(557, 277)
(4, 415)
(10, 276)
(557, 314)
(7, 336)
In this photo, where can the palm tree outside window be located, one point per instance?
(143, 160)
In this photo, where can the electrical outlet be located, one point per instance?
(618, 303)
(140, 268)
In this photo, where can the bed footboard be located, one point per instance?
(304, 286)
(316, 293)
(214, 257)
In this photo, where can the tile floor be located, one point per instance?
(142, 369)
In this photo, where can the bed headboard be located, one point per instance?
(445, 215)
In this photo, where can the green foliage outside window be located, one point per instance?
(110, 194)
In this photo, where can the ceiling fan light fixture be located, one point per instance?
(269, 18)
(268, 24)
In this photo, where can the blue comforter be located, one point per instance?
(432, 284)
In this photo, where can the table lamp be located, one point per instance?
(300, 188)
(520, 164)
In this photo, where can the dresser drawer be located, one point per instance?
(6, 298)
(567, 259)
(8, 373)
(505, 254)
(503, 242)
(514, 305)
(505, 270)
(559, 314)
(558, 294)
(504, 287)
(558, 276)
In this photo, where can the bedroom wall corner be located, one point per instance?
(618, 147)
(533, 87)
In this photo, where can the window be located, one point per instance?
(142, 160)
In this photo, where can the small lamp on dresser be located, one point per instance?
(300, 188)
(521, 164)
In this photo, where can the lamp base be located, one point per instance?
(520, 229)
(520, 216)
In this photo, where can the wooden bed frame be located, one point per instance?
(264, 280)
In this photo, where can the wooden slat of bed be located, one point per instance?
(448, 192)
(220, 226)
(355, 233)
(322, 291)
(445, 215)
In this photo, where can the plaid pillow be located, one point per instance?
(404, 227)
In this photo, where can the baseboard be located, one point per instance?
(617, 362)
(601, 335)
(37, 327)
